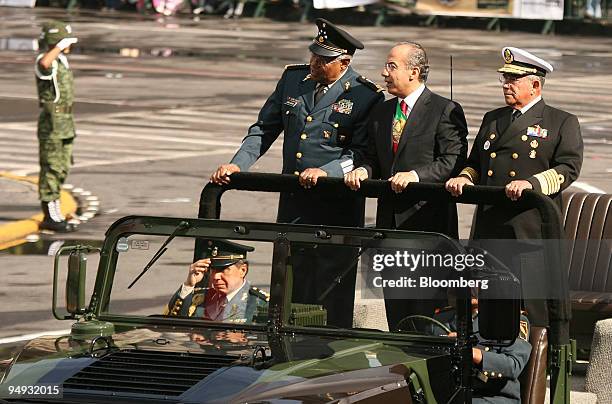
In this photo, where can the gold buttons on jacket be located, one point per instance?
(490, 173)
(487, 349)
(309, 119)
(493, 155)
(524, 138)
(335, 125)
(492, 136)
(514, 156)
(512, 174)
(298, 155)
(296, 172)
(303, 136)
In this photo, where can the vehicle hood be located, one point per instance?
(224, 366)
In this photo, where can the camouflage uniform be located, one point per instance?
(55, 124)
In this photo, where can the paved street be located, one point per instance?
(161, 104)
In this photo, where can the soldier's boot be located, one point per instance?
(53, 219)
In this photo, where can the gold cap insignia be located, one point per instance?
(215, 252)
(508, 56)
(321, 39)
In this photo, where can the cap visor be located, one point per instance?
(221, 264)
(518, 70)
(318, 50)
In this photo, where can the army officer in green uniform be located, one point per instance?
(228, 296)
(56, 133)
(322, 108)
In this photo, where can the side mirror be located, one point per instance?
(75, 282)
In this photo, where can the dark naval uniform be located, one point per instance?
(330, 134)
(242, 307)
(543, 146)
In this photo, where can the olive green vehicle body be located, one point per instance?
(116, 358)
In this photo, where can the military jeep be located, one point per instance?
(127, 345)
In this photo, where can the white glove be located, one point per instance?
(66, 42)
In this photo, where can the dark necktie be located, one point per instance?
(515, 114)
(215, 304)
(320, 92)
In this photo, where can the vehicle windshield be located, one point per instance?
(226, 275)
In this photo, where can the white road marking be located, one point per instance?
(27, 337)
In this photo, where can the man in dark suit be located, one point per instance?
(525, 145)
(322, 108)
(418, 136)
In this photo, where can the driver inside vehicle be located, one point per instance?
(216, 287)
(496, 369)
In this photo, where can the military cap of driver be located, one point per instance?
(332, 41)
(519, 62)
(224, 253)
(55, 31)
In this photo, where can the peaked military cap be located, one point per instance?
(333, 41)
(521, 63)
(224, 253)
(55, 31)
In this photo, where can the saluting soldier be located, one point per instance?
(524, 145)
(228, 296)
(56, 132)
(322, 108)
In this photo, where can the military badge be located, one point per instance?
(532, 154)
(292, 102)
(244, 297)
(347, 85)
(537, 131)
(534, 144)
(524, 330)
(508, 56)
(326, 134)
(487, 144)
(343, 107)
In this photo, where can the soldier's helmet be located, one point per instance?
(53, 32)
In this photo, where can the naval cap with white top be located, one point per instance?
(521, 63)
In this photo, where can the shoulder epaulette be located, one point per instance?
(369, 83)
(259, 293)
(297, 66)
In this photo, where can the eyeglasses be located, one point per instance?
(509, 78)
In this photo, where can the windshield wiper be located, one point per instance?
(182, 225)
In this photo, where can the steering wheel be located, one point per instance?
(423, 325)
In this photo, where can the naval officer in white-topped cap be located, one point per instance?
(525, 145)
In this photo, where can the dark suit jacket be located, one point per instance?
(433, 144)
(504, 151)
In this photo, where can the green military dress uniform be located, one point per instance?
(207, 303)
(327, 132)
(241, 308)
